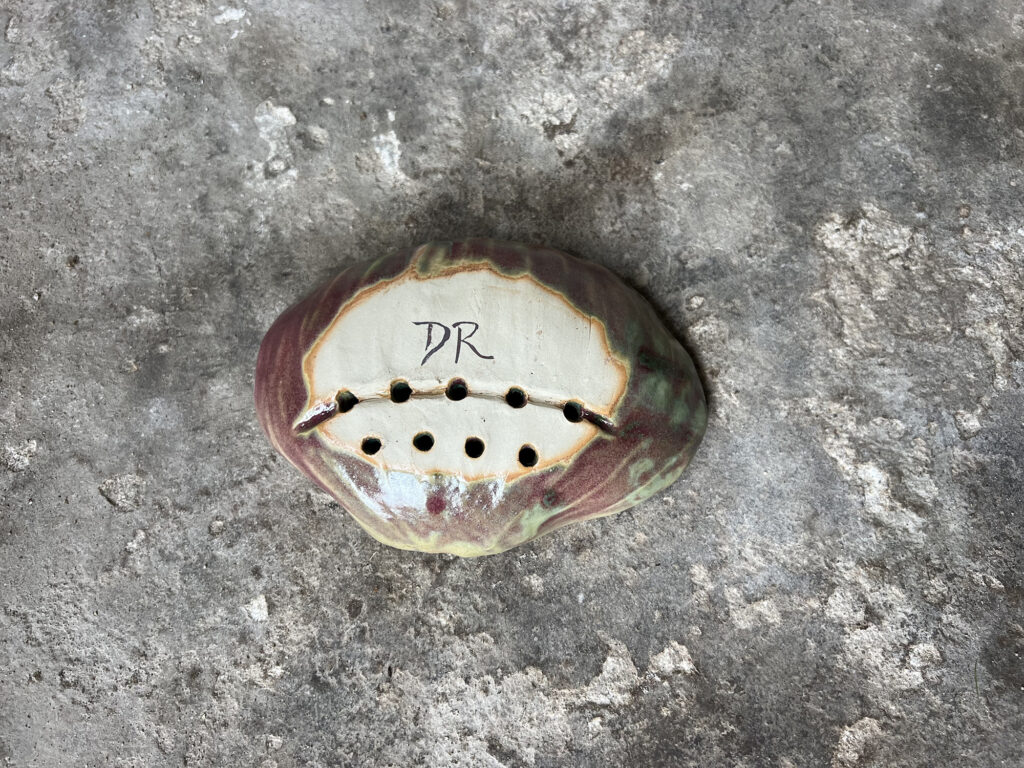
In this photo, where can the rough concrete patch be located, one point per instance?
(315, 137)
(257, 608)
(618, 678)
(123, 491)
(674, 659)
(228, 15)
(389, 153)
(462, 719)
(855, 741)
(276, 169)
(18, 457)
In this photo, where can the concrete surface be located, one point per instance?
(823, 199)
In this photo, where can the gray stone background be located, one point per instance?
(824, 201)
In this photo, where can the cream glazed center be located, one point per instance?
(471, 373)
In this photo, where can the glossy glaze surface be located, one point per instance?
(467, 397)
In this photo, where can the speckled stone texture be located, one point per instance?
(823, 200)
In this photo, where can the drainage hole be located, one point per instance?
(474, 447)
(370, 445)
(400, 391)
(515, 397)
(573, 411)
(528, 456)
(424, 441)
(457, 389)
(346, 401)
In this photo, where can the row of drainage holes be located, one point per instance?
(457, 390)
(424, 441)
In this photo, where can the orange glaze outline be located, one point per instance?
(411, 272)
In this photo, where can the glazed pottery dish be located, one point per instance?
(469, 396)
